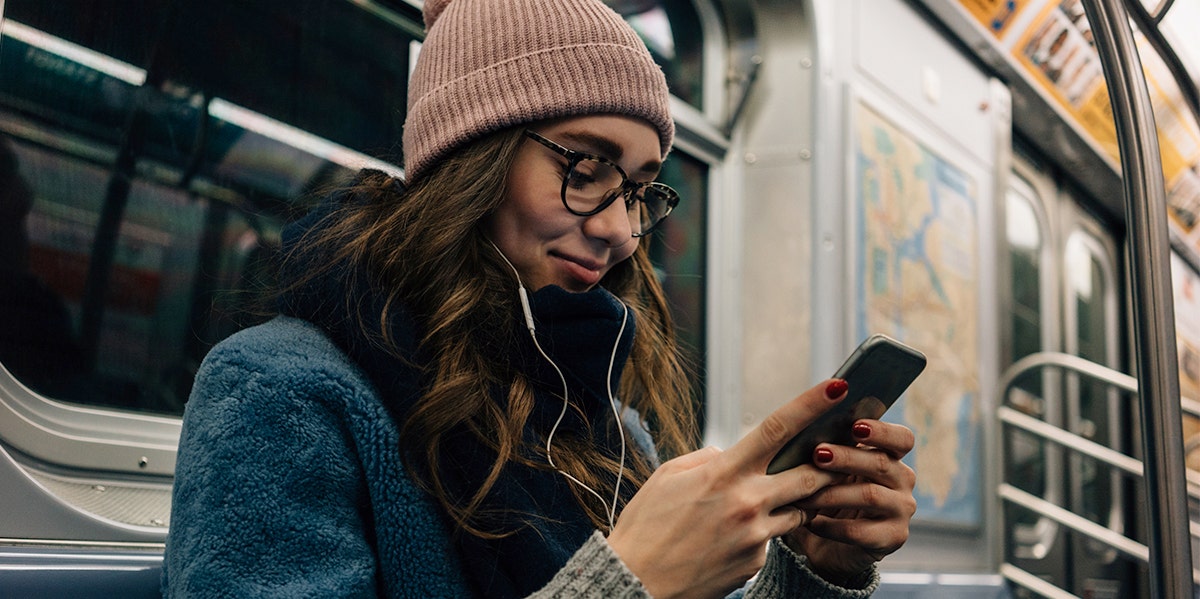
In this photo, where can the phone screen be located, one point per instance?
(877, 373)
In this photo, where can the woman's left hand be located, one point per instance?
(855, 523)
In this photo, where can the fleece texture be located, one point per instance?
(289, 481)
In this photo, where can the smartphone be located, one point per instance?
(877, 373)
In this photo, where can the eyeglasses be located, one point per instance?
(593, 183)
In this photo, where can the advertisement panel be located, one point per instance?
(1052, 44)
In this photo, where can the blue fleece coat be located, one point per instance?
(289, 481)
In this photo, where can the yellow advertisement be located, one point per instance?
(1183, 197)
(1055, 47)
(1057, 50)
(1186, 284)
(1179, 140)
(995, 15)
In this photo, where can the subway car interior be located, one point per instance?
(1012, 186)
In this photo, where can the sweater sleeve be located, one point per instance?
(786, 574)
(269, 499)
(595, 571)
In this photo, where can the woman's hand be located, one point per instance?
(858, 521)
(699, 527)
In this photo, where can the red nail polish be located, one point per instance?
(836, 388)
(824, 455)
(861, 430)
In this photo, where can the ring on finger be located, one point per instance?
(805, 516)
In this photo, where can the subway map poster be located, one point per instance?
(916, 279)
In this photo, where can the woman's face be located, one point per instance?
(548, 244)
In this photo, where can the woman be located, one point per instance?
(474, 373)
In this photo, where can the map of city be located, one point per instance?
(916, 278)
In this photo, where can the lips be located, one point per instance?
(584, 270)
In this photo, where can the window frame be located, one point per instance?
(1037, 540)
(1103, 254)
(85, 437)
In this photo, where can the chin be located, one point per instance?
(576, 287)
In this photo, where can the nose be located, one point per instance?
(610, 225)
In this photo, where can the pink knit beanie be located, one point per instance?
(490, 64)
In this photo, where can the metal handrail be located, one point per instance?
(1067, 439)
(1075, 522)
(1190, 407)
(1073, 442)
(1070, 440)
(1079, 444)
(1071, 362)
(1034, 583)
(1150, 281)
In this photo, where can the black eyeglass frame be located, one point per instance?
(628, 189)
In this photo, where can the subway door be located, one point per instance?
(1029, 284)
(1092, 324)
(1062, 292)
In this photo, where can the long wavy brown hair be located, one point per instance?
(423, 247)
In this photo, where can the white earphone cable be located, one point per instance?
(610, 509)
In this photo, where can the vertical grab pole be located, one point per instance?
(1154, 318)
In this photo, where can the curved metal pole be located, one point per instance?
(1070, 362)
(1154, 318)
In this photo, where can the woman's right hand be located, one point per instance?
(699, 527)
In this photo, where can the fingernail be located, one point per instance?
(824, 455)
(836, 388)
(861, 430)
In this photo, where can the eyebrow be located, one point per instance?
(609, 149)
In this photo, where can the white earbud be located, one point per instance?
(525, 305)
(524, 295)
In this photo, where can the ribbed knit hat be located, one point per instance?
(489, 64)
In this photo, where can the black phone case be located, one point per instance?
(877, 373)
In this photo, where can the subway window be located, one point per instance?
(678, 250)
(156, 151)
(1025, 228)
(1093, 409)
(671, 30)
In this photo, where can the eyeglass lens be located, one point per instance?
(592, 182)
